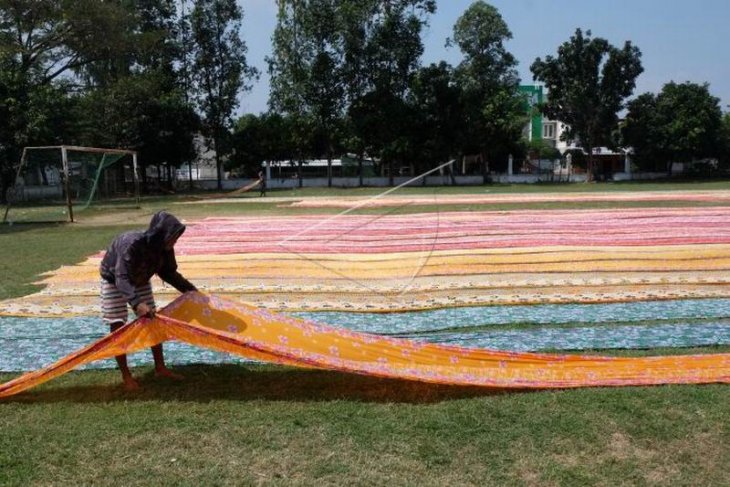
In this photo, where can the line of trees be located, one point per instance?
(682, 123)
(346, 77)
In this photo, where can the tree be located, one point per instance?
(160, 44)
(306, 67)
(493, 109)
(382, 48)
(641, 131)
(682, 123)
(355, 25)
(139, 112)
(221, 70)
(247, 142)
(135, 98)
(725, 143)
(43, 43)
(588, 83)
(542, 149)
(48, 38)
(437, 123)
(356, 54)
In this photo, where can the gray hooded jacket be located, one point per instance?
(134, 257)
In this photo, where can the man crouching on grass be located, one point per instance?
(130, 262)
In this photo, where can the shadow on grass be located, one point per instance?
(206, 383)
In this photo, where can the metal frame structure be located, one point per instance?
(66, 173)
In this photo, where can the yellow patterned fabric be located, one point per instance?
(386, 263)
(416, 280)
(218, 324)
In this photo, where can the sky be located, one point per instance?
(680, 40)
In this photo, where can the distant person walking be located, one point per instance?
(126, 269)
(262, 183)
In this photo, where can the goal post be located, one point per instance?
(54, 182)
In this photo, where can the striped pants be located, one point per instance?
(114, 304)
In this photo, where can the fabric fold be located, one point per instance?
(227, 326)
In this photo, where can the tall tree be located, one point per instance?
(186, 48)
(135, 99)
(682, 123)
(167, 136)
(382, 49)
(493, 109)
(185, 71)
(160, 44)
(588, 83)
(438, 115)
(306, 67)
(355, 21)
(150, 43)
(221, 70)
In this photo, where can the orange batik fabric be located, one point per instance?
(226, 326)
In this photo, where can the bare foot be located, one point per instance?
(130, 384)
(168, 373)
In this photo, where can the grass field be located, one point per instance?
(262, 424)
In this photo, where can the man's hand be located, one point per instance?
(142, 309)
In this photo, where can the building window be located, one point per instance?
(548, 131)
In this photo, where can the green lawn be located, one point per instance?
(263, 424)
(29, 250)
(247, 425)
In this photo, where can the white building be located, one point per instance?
(203, 167)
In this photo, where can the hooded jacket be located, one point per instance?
(134, 257)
